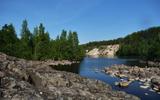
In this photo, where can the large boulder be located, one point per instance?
(155, 83)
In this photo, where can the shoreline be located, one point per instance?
(150, 63)
(48, 62)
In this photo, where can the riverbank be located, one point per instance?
(56, 63)
(36, 80)
(148, 76)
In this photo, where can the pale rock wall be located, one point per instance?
(108, 50)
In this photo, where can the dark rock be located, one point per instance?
(155, 80)
(2, 74)
(142, 75)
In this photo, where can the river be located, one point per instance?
(91, 68)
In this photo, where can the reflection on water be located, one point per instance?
(91, 68)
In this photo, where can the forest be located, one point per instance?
(144, 44)
(38, 45)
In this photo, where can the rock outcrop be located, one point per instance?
(94, 52)
(149, 76)
(35, 80)
(109, 50)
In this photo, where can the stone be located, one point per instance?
(2, 74)
(124, 84)
(155, 80)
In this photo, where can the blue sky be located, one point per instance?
(92, 19)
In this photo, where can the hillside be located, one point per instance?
(144, 44)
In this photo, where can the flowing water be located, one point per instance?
(91, 68)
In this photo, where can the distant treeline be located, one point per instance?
(38, 45)
(144, 44)
(97, 44)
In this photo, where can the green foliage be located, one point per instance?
(38, 45)
(41, 43)
(26, 41)
(67, 46)
(145, 44)
(8, 39)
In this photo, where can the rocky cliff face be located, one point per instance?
(34, 80)
(109, 50)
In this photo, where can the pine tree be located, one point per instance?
(26, 41)
(8, 40)
(42, 43)
(70, 48)
(35, 41)
(75, 39)
(63, 35)
(75, 45)
(25, 33)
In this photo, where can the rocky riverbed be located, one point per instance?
(37, 80)
(149, 76)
